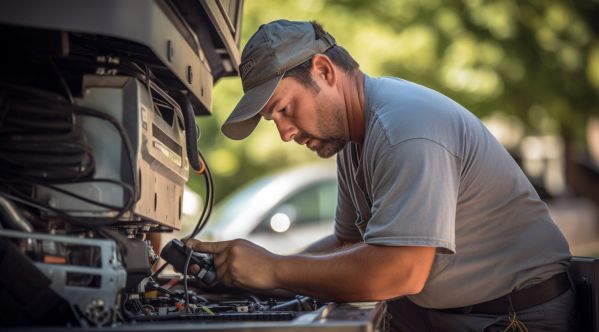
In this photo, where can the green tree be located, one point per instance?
(536, 60)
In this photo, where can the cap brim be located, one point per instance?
(244, 118)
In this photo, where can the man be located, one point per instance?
(431, 210)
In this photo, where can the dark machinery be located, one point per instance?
(97, 138)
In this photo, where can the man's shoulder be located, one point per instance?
(400, 110)
(396, 97)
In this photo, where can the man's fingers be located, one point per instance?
(206, 247)
(193, 243)
(194, 269)
(220, 259)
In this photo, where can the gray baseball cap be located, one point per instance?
(275, 48)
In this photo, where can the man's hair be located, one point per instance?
(338, 55)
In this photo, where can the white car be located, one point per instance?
(283, 213)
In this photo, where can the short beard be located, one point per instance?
(330, 147)
(329, 144)
(330, 125)
(335, 140)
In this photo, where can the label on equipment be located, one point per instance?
(168, 152)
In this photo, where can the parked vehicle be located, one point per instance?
(283, 212)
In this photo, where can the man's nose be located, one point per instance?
(286, 130)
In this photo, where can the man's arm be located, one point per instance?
(327, 244)
(361, 272)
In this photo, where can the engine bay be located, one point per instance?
(97, 140)
(91, 286)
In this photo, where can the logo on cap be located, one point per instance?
(245, 68)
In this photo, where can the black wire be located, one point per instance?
(61, 172)
(206, 212)
(185, 277)
(208, 203)
(160, 269)
(156, 286)
(25, 200)
(40, 135)
(46, 170)
(191, 130)
(122, 184)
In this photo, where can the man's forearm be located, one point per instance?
(360, 273)
(327, 244)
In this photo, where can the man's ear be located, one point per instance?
(323, 69)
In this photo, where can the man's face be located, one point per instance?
(307, 116)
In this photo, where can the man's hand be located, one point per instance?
(240, 263)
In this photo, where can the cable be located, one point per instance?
(160, 269)
(122, 184)
(206, 212)
(185, 277)
(39, 137)
(67, 217)
(191, 132)
(208, 203)
(82, 222)
(202, 168)
(43, 146)
(196, 160)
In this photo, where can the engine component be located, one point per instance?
(26, 297)
(88, 273)
(154, 125)
(136, 259)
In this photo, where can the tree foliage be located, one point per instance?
(535, 60)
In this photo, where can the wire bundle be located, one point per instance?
(39, 141)
(42, 145)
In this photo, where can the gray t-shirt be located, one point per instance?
(430, 174)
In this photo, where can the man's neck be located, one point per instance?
(353, 92)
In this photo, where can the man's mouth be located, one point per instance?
(310, 142)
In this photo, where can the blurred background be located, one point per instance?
(529, 69)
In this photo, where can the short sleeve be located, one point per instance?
(414, 190)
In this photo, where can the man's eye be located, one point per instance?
(284, 110)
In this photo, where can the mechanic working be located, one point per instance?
(433, 215)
